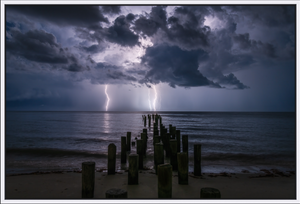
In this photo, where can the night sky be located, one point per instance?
(196, 58)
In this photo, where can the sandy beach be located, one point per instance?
(67, 185)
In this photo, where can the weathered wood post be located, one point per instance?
(197, 159)
(149, 121)
(140, 151)
(155, 133)
(173, 159)
(162, 130)
(178, 140)
(145, 131)
(156, 139)
(173, 132)
(185, 144)
(210, 193)
(164, 176)
(88, 179)
(133, 169)
(145, 121)
(115, 193)
(144, 138)
(128, 141)
(158, 155)
(167, 140)
(183, 168)
(111, 164)
(170, 128)
(123, 150)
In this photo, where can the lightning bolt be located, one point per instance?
(106, 97)
(154, 101)
(149, 99)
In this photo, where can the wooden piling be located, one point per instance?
(140, 151)
(156, 139)
(123, 150)
(185, 144)
(133, 169)
(145, 131)
(183, 168)
(88, 179)
(128, 141)
(116, 193)
(155, 133)
(173, 159)
(164, 177)
(170, 128)
(210, 193)
(173, 132)
(164, 138)
(197, 159)
(158, 155)
(144, 138)
(178, 140)
(111, 164)
(167, 140)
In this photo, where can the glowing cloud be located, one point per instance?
(106, 97)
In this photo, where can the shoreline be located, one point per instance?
(67, 185)
(272, 172)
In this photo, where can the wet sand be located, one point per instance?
(67, 185)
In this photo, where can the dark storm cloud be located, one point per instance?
(271, 16)
(186, 29)
(76, 67)
(174, 66)
(82, 16)
(96, 48)
(231, 80)
(40, 46)
(259, 47)
(117, 75)
(186, 52)
(111, 9)
(102, 65)
(120, 32)
(37, 45)
(187, 36)
(149, 25)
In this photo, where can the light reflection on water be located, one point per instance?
(106, 123)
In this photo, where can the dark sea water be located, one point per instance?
(231, 141)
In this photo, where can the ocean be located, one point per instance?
(230, 141)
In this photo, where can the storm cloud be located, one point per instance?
(120, 32)
(63, 15)
(39, 46)
(181, 46)
(175, 66)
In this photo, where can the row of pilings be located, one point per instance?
(167, 143)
